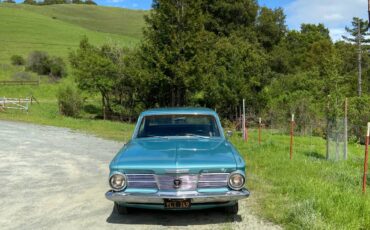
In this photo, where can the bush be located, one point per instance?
(22, 76)
(17, 60)
(57, 67)
(40, 62)
(69, 101)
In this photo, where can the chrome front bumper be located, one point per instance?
(158, 198)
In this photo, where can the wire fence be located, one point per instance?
(316, 138)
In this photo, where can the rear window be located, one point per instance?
(178, 125)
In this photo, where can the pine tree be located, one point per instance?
(359, 35)
(171, 50)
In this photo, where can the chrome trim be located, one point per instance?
(166, 182)
(191, 182)
(141, 174)
(142, 181)
(158, 198)
(124, 185)
(213, 180)
(233, 173)
(177, 170)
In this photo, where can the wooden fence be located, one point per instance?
(19, 82)
(15, 103)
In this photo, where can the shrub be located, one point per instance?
(57, 67)
(69, 101)
(38, 62)
(17, 60)
(22, 76)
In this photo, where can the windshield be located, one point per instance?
(178, 125)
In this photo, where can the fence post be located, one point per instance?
(259, 130)
(345, 129)
(244, 133)
(366, 158)
(291, 135)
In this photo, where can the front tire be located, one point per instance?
(232, 209)
(122, 210)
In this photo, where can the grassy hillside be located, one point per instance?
(101, 19)
(57, 29)
(26, 28)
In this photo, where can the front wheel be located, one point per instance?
(122, 210)
(232, 209)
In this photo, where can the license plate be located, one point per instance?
(177, 203)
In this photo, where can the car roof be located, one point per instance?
(179, 110)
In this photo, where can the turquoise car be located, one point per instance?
(177, 159)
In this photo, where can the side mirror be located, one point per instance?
(229, 133)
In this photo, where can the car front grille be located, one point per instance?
(188, 181)
(141, 181)
(213, 180)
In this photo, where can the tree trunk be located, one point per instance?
(173, 96)
(103, 105)
(327, 139)
(359, 60)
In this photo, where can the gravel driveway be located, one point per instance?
(54, 178)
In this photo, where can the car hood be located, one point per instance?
(161, 155)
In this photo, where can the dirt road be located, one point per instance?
(53, 178)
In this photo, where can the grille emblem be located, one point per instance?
(177, 183)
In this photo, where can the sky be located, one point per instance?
(335, 14)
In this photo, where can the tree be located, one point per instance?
(270, 27)
(8, 1)
(52, 2)
(96, 70)
(171, 51)
(314, 32)
(236, 70)
(30, 2)
(226, 17)
(90, 2)
(358, 34)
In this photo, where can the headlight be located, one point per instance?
(117, 181)
(236, 181)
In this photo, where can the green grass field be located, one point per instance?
(307, 192)
(111, 20)
(58, 29)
